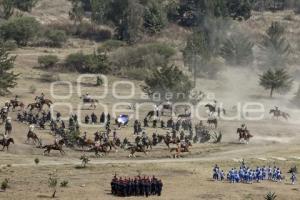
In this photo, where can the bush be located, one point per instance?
(91, 63)
(20, 29)
(110, 45)
(56, 38)
(48, 61)
(147, 56)
(88, 31)
(10, 45)
(49, 77)
(25, 5)
(36, 161)
(64, 183)
(4, 184)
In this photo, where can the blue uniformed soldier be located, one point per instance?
(293, 178)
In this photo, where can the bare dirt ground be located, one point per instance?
(275, 142)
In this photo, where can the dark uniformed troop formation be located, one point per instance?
(136, 187)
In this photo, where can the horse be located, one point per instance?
(56, 147)
(181, 149)
(147, 143)
(32, 136)
(81, 142)
(244, 135)
(135, 149)
(34, 105)
(168, 140)
(278, 113)
(15, 104)
(6, 143)
(100, 149)
(43, 102)
(110, 144)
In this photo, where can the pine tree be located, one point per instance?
(275, 80)
(77, 12)
(167, 80)
(7, 78)
(275, 47)
(237, 50)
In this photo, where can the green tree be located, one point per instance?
(237, 50)
(25, 5)
(7, 8)
(20, 29)
(155, 17)
(275, 46)
(7, 77)
(167, 80)
(99, 9)
(130, 27)
(275, 80)
(239, 9)
(77, 12)
(198, 52)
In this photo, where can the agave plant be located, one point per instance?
(271, 196)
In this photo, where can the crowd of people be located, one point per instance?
(138, 186)
(248, 175)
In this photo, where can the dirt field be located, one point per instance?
(275, 142)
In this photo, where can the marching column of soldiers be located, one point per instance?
(136, 187)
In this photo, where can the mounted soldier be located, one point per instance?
(8, 126)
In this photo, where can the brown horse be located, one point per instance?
(181, 149)
(244, 135)
(168, 140)
(16, 104)
(85, 143)
(34, 105)
(134, 149)
(278, 113)
(6, 143)
(99, 150)
(47, 102)
(56, 147)
(32, 136)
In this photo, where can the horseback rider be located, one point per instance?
(139, 143)
(31, 128)
(56, 141)
(87, 97)
(5, 138)
(8, 125)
